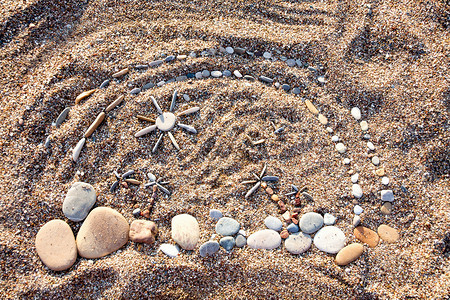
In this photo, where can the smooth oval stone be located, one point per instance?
(142, 231)
(148, 86)
(62, 116)
(357, 210)
(367, 236)
(385, 180)
(298, 243)
(227, 242)
(386, 208)
(206, 73)
(185, 231)
(155, 63)
(329, 219)
(329, 239)
(311, 222)
(215, 214)
(356, 220)
(375, 160)
(226, 73)
(104, 231)
(229, 50)
(169, 58)
(388, 234)
(357, 191)
(340, 147)
(364, 125)
(356, 113)
(286, 87)
(296, 91)
(290, 62)
(354, 178)
(322, 119)
(241, 241)
(292, 228)
(135, 91)
(346, 161)
(273, 223)
(387, 195)
(267, 55)
(55, 245)
(266, 79)
(335, 138)
(371, 146)
(227, 226)
(79, 200)
(349, 254)
(216, 74)
(264, 239)
(239, 50)
(198, 75)
(237, 74)
(209, 248)
(169, 250)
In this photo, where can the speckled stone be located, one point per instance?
(311, 222)
(298, 243)
(227, 242)
(104, 231)
(142, 231)
(227, 226)
(215, 214)
(241, 241)
(367, 236)
(264, 239)
(349, 254)
(185, 231)
(55, 245)
(79, 200)
(329, 239)
(388, 234)
(273, 223)
(386, 208)
(209, 248)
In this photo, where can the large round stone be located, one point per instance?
(298, 243)
(329, 239)
(166, 121)
(227, 226)
(79, 200)
(185, 231)
(104, 231)
(311, 222)
(264, 239)
(55, 245)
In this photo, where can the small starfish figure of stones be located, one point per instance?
(153, 181)
(166, 121)
(258, 181)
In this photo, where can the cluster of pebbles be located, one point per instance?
(104, 230)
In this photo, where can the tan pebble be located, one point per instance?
(350, 172)
(133, 181)
(284, 234)
(275, 198)
(311, 107)
(114, 103)
(367, 236)
(136, 205)
(386, 208)
(364, 125)
(263, 185)
(95, 124)
(145, 213)
(269, 191)
(180, 57)
(349, 253)
(120, 73)
(142, 231)
(380, 172)
(388, 234)
(323, 120)
(124, 184)
(287, 216)
(84, 95)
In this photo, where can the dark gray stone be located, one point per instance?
(227, 243)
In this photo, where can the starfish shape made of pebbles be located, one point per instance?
(259, 180)
(153, 181)
(166, 121)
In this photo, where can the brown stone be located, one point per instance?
(142, 231)
(367, 236)
(388, 234)
(386, 208)
(95, 124)
(284, 234)
(275, 198)
(269, 191)
(295, 221)
(349, 253)
(84, 95)
(120, 73)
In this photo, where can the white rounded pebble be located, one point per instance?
(329, 239)
(329, 219)
(169, 250)
(229, 50)
(375, 160)
(216, 74)
(356, 113)
(329, 130)
(341, 148)
(385, 180)
(364, 126)
(370, 146)
(356, 220)
(335, 138)
(357, 210)
(321, 79)
(354, 178)
(346, 161)
(298, 243)
(242, 232)
(267, 55)
(264, 239)
(357, 191)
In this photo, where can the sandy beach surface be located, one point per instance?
(389, 58)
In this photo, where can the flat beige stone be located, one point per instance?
(104, 231)
(322, 119)
(84, 95)
(388, 234)
(55, 245)
(311, 107)
(185, 231)
(142, 231)
(367, 236)
(386, 208)
(349, 254)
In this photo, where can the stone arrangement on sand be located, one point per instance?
(104, 230)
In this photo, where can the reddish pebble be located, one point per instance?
(284, 234)
(145, 213)
(269, 191)
(263, 185)
(124, 184)
(295, 221)
(275, 198)
(296, 210)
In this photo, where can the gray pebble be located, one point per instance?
(169, 58)
(290, 62)
(170, 81)
(155, 63)
(148, 86)
(293, 228)
(286, 87)
(181, 78)
(79, 200)
(226, 73)
(198, 75)
(229, 50)
(387, 195)
(135, 91)
(298, 243)
(227, 226)
(114, 186)
(239, 50)
(227, 242)
(161, 83)
(273, 223)
(209, 248)
(267, 55)
(277, 85)
(206, 73)
(62, 116)
(137, 212)
(193, 54)
(283, 58)
(47, 142)
(311, 222)
(356, 220)
(215, 214)
(104, 84)
(250, 78)
(216, 74)
(329, 219)
(127, 174)
(266, 79)
(296, 91)
(186, 97)
(141, 67)
(270, 178)
(241, 241)
(367, 136)
(299, 63)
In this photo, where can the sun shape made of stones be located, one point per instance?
(166, 121)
